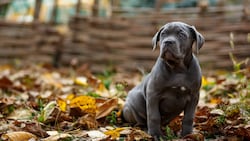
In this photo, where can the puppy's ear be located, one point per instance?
(198, 38)
(156, 38)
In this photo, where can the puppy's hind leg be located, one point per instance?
(131, 116)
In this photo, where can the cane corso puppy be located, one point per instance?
(173, 84)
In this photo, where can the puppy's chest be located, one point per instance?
(174, 99)
(176, 93)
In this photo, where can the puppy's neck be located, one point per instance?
(181, 67)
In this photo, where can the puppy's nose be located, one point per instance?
(169, 43)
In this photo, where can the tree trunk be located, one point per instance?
(78, 7)
(38, 4)
(95, 8)
(54, 12)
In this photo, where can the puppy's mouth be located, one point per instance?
(171, 59)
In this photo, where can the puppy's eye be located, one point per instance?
(164, 34)
(182, 35)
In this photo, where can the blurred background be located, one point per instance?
(117, 33)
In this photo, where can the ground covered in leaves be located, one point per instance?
(41, 103)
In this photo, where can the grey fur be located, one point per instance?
(173, 84)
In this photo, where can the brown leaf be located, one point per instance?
(239, 130)
(88, 121)
(139, 135)
(18, 136)
(106, 108)
(36, 129)
(194, 137)
(175, 124)
(57, 137)
(5, 83)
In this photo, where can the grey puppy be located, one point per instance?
(173, 84)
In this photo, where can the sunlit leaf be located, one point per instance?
(114, 133)
(215, 100)
(70, 96)
(85, 103)
(62, 105)
(81, 81)
(47, 111)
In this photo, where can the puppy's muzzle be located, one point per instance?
(171, 53)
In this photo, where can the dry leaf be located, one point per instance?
(57, 137)
(88, 121)
(20, 114)
(114, 133)
(85, 103)
(62, 105)
(18, 136)
(47, 111)
(50, 78)
(5, 83)
(194, 137)
(96, 135)
(82, 81)
(106, 108)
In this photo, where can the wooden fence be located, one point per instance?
(29, 43)
(124, 40)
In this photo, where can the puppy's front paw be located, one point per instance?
(159, 138)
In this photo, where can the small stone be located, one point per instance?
(183, 88)
(217, 112)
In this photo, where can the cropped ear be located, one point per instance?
(156, 38)
(198, 38)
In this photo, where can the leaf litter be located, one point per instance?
(38, 103)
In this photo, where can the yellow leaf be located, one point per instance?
(85, 103)
(204, 81)
(215, 100)
(81, 81)
(114, 133)
(70, 96)
(62, 105)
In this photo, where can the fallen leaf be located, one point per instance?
(51, 79)
(31, 127)
(21, 114)
(47, 111)
(87, 121)
(85, 103)
(96, 135)
(82, 81)
(114, 133)
(62, 105)
(18, 136)
(5, 83)
(57, 137)
(105, 108)
(194, 137)
(217, 112)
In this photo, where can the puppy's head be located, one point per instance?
(176, 40)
